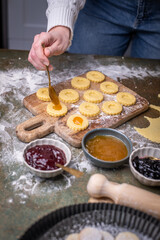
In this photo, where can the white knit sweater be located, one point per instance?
(63, 13)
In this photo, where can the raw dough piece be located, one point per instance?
(111, 107)
(89, 109)
(90, 233)
(95, 76)
(80, 83)
(73, 236)
(77, 122)
(108, 87)
(155, 107)
(43, 94)
(107, 236)
(68, 96)
(152, 132)
(93, 96)
(126, 236)
(56, 113)
(125, 98)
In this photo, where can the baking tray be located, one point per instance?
(105, 216)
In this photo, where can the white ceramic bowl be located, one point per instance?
(141, 153)
(56, 143)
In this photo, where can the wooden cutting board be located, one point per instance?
(43, 124)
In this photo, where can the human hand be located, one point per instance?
(56, 41)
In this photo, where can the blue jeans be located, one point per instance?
(106, 27)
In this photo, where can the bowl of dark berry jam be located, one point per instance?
(145, 166)
(41, 156)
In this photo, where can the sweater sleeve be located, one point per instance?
(63, 13)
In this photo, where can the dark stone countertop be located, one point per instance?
(25, 198)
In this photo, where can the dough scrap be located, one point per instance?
(69, 96)
(111, 107)
(108, 87)
(73, 236)
(89, 109)
(155, 107)
(152, 132)
(90, 233)
(93, 96)
(43, 94)
(95, 76)
(125, 98)
(80, 83)
(77, 122)
(126, 236)
(56, 113)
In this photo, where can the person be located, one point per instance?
(103, 27)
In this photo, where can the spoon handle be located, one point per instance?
(48, 75)
(72, 171)
(52, 93)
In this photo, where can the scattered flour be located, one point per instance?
(18, 83)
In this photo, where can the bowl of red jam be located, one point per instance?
(145, 166)
(41, 156)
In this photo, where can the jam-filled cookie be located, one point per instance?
(77, 122)
(52, 111)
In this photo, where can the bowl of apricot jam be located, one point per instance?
(106, 147)
(145, 165)
(41, 156)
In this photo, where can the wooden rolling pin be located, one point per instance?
(124, 194)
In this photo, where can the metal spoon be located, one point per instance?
(72, 171)
(52, 93)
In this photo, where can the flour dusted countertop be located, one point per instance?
(25, 198)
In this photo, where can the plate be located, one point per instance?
(113, 218)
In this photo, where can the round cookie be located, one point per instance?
(89, 109)
(93, 96)
(56, 113)
(90, 233)
(111, 108)
(80, 83)
(77, 122)
(95, 76)
(69, 96)
(108, 87)
(73, 236)
(125, 98)
(107, 236)
(126, 236)
(43, 94)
